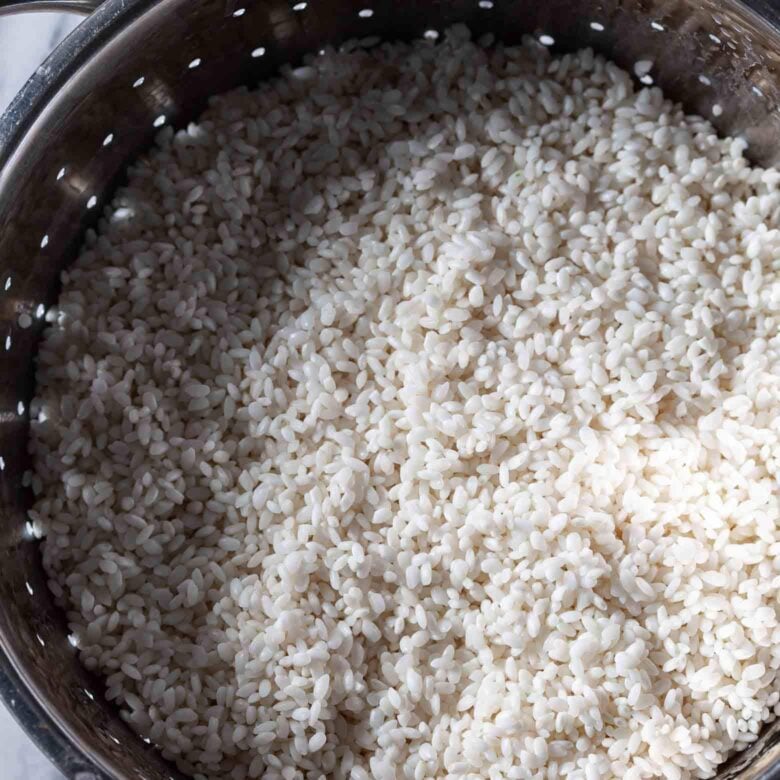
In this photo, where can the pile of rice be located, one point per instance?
(418, 416)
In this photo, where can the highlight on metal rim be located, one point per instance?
(85, 7)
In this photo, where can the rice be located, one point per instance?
(416, 416)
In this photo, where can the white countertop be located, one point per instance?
(24, 43)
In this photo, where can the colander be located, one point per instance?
(136, 65)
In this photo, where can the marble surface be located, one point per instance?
(25, 40)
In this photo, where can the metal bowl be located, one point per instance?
(135, 65)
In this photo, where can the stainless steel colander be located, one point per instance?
(135, 65)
